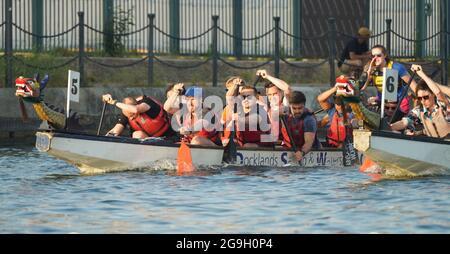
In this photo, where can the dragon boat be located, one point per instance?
(98, 154)
(400, 155)
(94, 153)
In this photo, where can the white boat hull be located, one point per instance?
(93, 154)
(400, 155)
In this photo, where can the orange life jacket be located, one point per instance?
(153, 127)
(336, 133)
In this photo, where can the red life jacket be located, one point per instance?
(213, 135)
(244, 136)
(152, 127)
(297, 131)
(337, 132)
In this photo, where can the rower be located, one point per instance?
(145, 116)
(251, 119)
(303, 126)
(192, 123)
(337, 120)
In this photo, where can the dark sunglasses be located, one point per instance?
(391, 108)
(377, 55)
(426, 97)
(246, 96)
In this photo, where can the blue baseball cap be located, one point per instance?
(194, 91)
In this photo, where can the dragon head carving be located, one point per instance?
(30, 88)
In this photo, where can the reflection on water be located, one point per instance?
(40, 194)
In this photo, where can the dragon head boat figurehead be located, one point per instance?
(30, 88)
(145, 116)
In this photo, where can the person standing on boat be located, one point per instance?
(302, 124)
(374, 75)
(432, 110)
(145, 116)
(250, 121)
(337, 121)
(193, 123)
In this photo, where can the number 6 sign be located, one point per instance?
(390, 86)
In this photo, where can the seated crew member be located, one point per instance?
(337, 120)
(302, 125)
(232, 87)
(145, 116)
(251, 120)
(194, 126)
(432, 110)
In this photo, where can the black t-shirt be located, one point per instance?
(152, 112)
(353, 46)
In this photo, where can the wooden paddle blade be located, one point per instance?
(230, 152)
(184, 159)
(23, 110)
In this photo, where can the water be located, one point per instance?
(40, 194)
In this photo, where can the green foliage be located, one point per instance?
(123, 20)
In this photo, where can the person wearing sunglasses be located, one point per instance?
(250, 121)
(431, 111)
(373, 75)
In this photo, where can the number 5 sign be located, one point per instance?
(73, 86)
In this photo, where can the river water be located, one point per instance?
(40, 194)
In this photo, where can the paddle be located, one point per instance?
(101, 118)
(231, 148)
(350, 155)
(402, 96)
(184, 159)
(288, 130)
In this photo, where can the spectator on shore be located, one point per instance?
(356, 52)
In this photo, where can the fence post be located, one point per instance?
(366, 13)
(421, 28)
(297, 26)
(174, 14)
(81, 46)
(150, 53)
(237, 28)
(444, 43)
(276, 53)
(108, 26)
(332, 48)
(37, 26)
(8, 44)
(214, 51)
(388, 36)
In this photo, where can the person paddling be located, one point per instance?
(145, 116)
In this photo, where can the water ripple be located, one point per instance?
(40, 194)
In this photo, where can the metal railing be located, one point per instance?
(212, 32)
